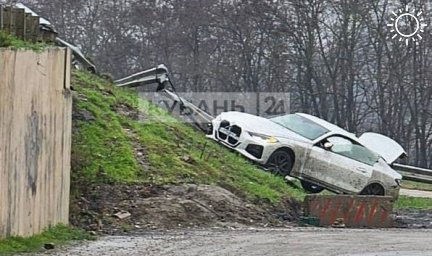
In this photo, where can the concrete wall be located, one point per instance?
(35, 140)
(351, 211)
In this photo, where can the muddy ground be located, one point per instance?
(413, 219)
(117, 209)
(271, 242)
(121, 209)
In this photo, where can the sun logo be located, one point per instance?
(407, 25)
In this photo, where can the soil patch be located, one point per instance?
(128, 111)
(120, 209)
(413, 218)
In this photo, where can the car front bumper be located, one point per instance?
(245, 143)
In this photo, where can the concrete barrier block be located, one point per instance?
(350, 211)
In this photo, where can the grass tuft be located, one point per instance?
(7, 40)
(405, 202)
(58, 235)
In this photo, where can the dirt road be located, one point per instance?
(269, 242)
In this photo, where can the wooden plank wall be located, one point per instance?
(35, 140)
(23, 25)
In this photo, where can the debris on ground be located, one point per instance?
(49, 246)
(413, 219)
(122, 215)
(119, 209)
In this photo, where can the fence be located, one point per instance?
(35, 140)
(17, 22)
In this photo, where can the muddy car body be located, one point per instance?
(320, 154)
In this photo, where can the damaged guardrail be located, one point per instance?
(78, 55)
(159, 75)
(414, 173)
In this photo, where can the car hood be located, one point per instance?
(389, 149)
(260, 125)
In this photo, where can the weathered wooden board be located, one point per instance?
(35, 140)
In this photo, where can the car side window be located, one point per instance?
(348, 148)
(340, 145)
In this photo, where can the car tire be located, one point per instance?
(373, 189)
(310, 187)
(280, 163)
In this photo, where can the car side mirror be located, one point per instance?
(328, 145)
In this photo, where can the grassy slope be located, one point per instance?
(103, 149)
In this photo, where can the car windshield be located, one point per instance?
(300, 125)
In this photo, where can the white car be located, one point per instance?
(320, 154)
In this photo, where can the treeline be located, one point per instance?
(336, 57)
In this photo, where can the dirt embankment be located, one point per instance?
(121, 209)
(117, 209)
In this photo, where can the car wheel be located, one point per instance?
(374, 189)
(280, 163)
(310, 187)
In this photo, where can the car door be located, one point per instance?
(340, 167)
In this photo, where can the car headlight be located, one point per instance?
(266, 138)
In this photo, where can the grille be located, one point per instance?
(222, 135)
(229, 134)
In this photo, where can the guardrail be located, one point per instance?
(78, 55)
(414, 173)
(159, 75)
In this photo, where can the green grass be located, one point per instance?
(59, 235)
(413, 202)
(7, 40)
(103, 149)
